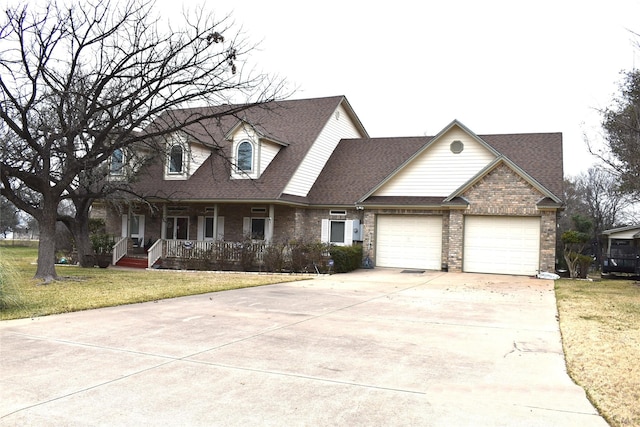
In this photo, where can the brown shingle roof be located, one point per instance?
(296, 123)
(358, 165)
(538, 154)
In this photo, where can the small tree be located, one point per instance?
(575, 241)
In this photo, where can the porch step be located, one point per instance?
(132, 262)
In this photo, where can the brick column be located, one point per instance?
(456, 226)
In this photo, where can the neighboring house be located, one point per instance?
(623, 250)
(307, 169)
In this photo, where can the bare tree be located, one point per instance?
(596, 195)
(79, 81)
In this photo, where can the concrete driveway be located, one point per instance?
(373, 347)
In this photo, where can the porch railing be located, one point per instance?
(154, 253)
(119, 250)
(210, 249)
(621, 263)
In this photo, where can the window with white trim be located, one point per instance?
(210, 229)
(116, 165)
(255, 228)
(177, 228)
(244, 157)
(337, 232)
(176, 159)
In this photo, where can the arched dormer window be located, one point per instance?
(244, 156)
(116, 167)
(176, 159)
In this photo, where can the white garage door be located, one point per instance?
(409, 241)
(503, 245)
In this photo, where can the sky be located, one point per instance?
(409, 68)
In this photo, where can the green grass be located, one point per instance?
(89, 288)
(600, 325)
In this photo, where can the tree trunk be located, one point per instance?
(79, 228)
(46, 267)
(83, 246)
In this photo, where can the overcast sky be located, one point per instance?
(411, 67)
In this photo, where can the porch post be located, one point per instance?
(215, 222)
(163, 224)
(269, 231)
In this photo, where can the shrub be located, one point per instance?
(306, 256)
(346, 258)
(274, 257)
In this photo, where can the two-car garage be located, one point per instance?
(491, 244)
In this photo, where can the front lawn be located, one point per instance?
(600, 325)
(87, 288)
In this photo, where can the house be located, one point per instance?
(307, 169)
(622, 251)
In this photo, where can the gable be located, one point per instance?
(194, 155)
(342, 124)
(502, 191)
(437, 170)
(263, 151)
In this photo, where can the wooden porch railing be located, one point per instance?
(154, 253)
(119, 250)
(210, 249)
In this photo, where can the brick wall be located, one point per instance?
(503, 192)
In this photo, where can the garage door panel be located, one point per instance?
(504, 245)
(409, 241)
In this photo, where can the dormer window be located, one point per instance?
(116, 166)
(176, 159)
(244, 157)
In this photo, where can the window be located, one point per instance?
(176, 160)
(257, 228)
(117, 162)
(340, 232)
(177, 228)
(337, 212)
(336, 232)
(208, 227)
(244, 158)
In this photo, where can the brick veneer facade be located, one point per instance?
(501, 192)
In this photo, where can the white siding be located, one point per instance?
(336, 129)
(628, 234)
(199, 154)
(267, 151)
(438, 171)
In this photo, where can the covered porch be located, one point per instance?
(622, 253)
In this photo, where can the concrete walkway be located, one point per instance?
(373, 347)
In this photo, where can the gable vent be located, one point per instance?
(456, 146)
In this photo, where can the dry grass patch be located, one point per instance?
(600, 325)
(88, 288)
